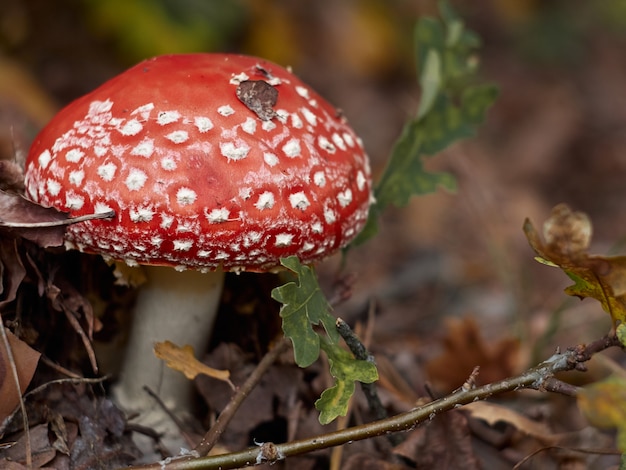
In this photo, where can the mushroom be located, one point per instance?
(212, 163)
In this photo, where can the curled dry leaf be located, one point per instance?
(566, 238)
(26, 360)
(183, 360)
(42, 225)
(493, 413)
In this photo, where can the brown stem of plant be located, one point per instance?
(535, 378)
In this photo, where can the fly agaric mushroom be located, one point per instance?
(212, 163)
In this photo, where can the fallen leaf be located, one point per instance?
(42, 225)
(445, 443)
(465, 348)
(493, 413)
(183, 360)
(567, 235)
(25, 359)
(604, 403)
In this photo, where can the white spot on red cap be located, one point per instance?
(204, 124)
(44, 158)
(144, 110)
(135, 179)
(166, 221)
(360, 180)
(348, 139)
(101, 208)
(345, 197)
(282, 115)
(252, 238)
(270, 158)
(309, 116)
(183, 245)
(268, 126)
(299, 200)
(329, 215)
(217, 216)
(296, 121)
(319, 178)
(76, 177)
(292, 148)
(107, 171)
(74, 155)
(53, 187)
(283, 239)
(338, 141)
(178, 137)
(234, 152)
(141, 214)
(303, 92)
(74, 201)
(145, 148)
(245, 193)
(249, 126)
(238, 78)
(203, 253)
(186, 196)
(317, 227)
(167, 117)
(132, 127)
(168, 164)
(265, 201)
(99, 107)
(326, 144)
(225, 110)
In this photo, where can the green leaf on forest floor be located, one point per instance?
(304, 305)
(604, 405)
(451, 108)
(567, 235)
(346, 370)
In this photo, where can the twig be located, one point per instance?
(369, 390)
(16, 381)
(534, 378)
(168, 412)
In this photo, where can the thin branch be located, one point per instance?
(534, 378)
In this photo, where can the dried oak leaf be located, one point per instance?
(17, 212)
(42, 225)
(566, 239)
(464, 349)
(12, 271)
(445, 443)
(183, 360)
(25, 359)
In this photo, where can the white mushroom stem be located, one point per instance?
(179, 307)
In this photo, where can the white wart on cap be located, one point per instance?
(202, 170)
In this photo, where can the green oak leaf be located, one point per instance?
(304, 306)
(451, 108)
(346, 370)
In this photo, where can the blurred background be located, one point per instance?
(557, 133)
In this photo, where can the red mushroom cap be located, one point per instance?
(204, 166)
